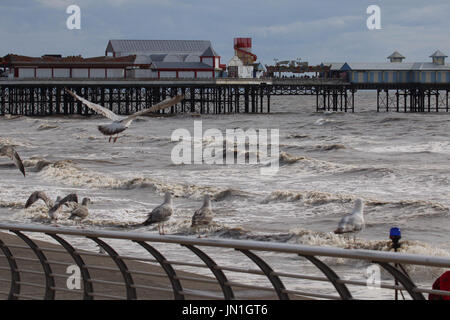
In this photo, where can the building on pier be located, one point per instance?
(244, 64)
(75, 67)
(396, 71)
(170, 58)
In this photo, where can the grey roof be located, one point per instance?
(438, 54)
(380, 66)
(158, 46)
(158, 57)
(142, 59)
(334, 66)
(387, 66)
(396, 54)
(180, 65)
(209, 53)
(175, 57)
(431, 66)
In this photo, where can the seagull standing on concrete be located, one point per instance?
(353, 222)
(161, 213)
(204, 215)
(10, 152)
(120, 124)
(52, 206)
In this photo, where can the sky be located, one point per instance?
(315, 31)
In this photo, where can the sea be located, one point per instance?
(398, 163)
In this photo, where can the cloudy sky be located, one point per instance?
(316, 31)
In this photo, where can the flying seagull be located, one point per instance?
(53, 207)
(11, 153)
(204, 215)
(119, 123)
(161, 213)
(353, 222)
(81, 211)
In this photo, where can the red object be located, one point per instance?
(243, 42)
(443, 284)
(240, 44)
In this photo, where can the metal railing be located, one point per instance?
(42, 260)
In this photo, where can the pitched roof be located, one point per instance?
(209, 53)
(158, 46)
(396, 54)
(235, 62)
(438, 54)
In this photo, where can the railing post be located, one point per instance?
(268, 271)
(49, 280)
(131, 291)
(220, 276)
(87, 285)
(341, 288)
(404, 280)
(15, 275)
(176, 285)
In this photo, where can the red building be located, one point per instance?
(56, 66)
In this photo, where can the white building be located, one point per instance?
(237, 69)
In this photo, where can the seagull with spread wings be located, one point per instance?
(119, 123)
(53, 207)
(10, 152)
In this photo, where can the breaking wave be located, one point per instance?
(310, 163)
(46, 126)
(68, 173)
(229, 194)
(416, 207)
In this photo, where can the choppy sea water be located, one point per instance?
(398, 163)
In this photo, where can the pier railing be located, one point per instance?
(206, 268)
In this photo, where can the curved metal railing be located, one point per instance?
(38, 269)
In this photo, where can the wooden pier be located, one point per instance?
(209, 96)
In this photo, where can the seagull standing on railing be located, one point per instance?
(120, 124)
(204, 215)
(161, 213)
(52, 206)
(353, 222)
(10, 152)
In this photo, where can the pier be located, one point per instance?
(40, 97)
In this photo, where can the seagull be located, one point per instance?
(53, 207)
(11, 153)
(161, 213)
(81, 211)
(119, 123)
(204, 215)
(353, 222)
